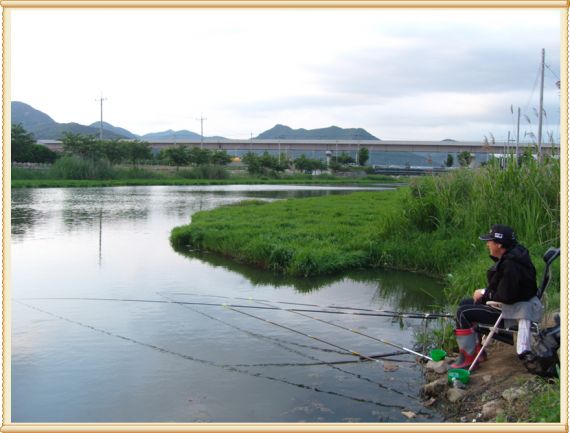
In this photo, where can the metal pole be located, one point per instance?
(201, 119)
(540, 107)
(101, 99)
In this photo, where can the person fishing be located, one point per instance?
(511, 279)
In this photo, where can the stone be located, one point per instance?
(439, 367)
(455, 394)
(491, 409)
(513, 394)
(435, 388)
(409, 414)
(390, 366)
(487, 378)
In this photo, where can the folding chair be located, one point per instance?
(523, 327)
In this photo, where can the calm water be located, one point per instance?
(88, 346)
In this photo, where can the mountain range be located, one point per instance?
(43, 127)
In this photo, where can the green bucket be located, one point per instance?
(437, 354)
(460, 374)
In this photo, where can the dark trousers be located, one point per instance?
(469, 313)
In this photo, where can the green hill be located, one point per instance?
(330, 133)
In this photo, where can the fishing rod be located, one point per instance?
(349, 351)
(338, 307)
(259, 307)
(381, 340)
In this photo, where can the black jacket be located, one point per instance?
(512, 278)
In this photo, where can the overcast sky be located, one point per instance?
(423, 74)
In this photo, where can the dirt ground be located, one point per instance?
(501, 371)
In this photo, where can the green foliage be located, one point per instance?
(449, 160)
(137, 151)
(363, 156)
(465, 159)
(114, 150)
(220, 157)
(25, 149)
(176, 155)
(265, 164)
(344, 158)
(199, 156)
(206, 171)
(21, 142)
(74, 167)
(545, 404)
(307, 164)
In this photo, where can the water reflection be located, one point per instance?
(23, 216)
(404, 290)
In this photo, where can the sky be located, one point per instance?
(424, 74)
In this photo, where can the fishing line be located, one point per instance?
(258, 307)
(381, 340)
(313, 364)
(207, 362)
(320, 362)
(276, 340)
(391, 313)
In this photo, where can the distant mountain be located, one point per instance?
(45, 128)
(330, 133)
(119, 131)
(171, 135)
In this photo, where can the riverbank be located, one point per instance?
(500, 390)
(237, 180)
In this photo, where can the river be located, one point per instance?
(110, 324)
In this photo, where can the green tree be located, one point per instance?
(220, 157)
(24, 148)
(84, 146)
(265, 164)
(42, 154)
(178, 155)
(115, 151)
(199, 156)
(344, 158)
(363, 155)
(307, 164)
(137, 151)
(21, 143)
(253, 163)
(465, 158)
(449, 160)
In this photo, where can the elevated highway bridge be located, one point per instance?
(282, 145)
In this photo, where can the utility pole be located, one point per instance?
(540, 107)
(201, 119)
(101, 99)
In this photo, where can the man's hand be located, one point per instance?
(478, 295)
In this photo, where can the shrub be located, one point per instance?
(73, 167)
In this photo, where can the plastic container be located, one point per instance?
(459, 374)
(437, 354)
